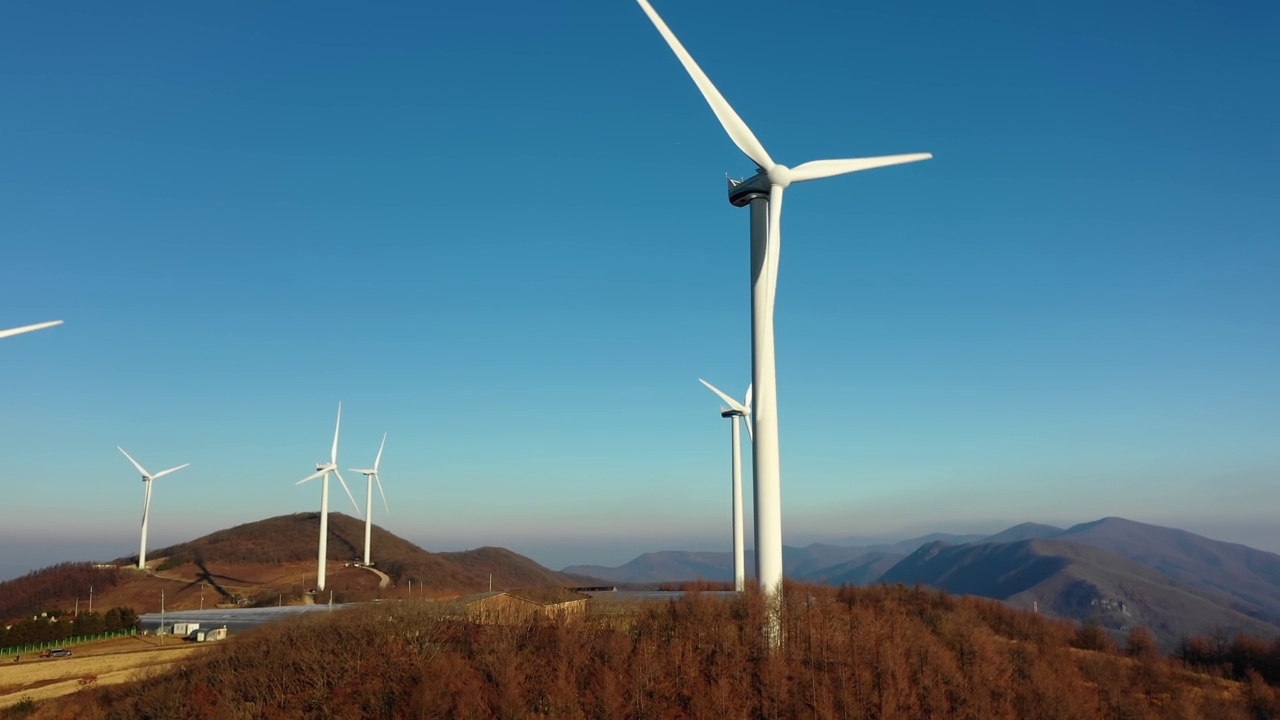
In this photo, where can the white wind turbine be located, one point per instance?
(146, 502)
(371, 476)
(28, 328)
(733, 412)
(763, 193)
(322, 471)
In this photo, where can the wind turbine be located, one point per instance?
(322, 471)
(371, 476)
(733, 412)
(28, 328)
(146, 502)
(763, 193)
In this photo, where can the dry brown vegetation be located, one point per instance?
(878, 653)
(48, 587)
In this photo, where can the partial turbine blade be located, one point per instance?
(731, 402)
(383, 494)
(135, 462)
(750, 389)
(750, 424)
(309, 478)
(773, 247)
(378, 460)
(162, 473)
(828, 168)
(359, 512)
(28, 328)
(333, 456)
(737, 129)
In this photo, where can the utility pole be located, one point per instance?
(490, 582)
(77, 607)
(201, 596)
(161, 617)
(90, 598)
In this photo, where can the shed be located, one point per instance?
(507, 606)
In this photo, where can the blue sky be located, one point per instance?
(499, 232)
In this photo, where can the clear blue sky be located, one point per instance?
(499, 232)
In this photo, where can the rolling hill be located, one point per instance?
(272, 561)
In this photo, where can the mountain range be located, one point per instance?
(1114, 571)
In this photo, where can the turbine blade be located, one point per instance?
(383, 494)
(737, 129)
(162, 473)
(773, 247)
(828, 168)
(333, 456)
(309, 478)
(750, 433)
(28, 328)
(731, 402)
(344, 487)
(747, 402)
(135, 462)
(378, 460)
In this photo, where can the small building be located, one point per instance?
(510, 606)
(208, 634)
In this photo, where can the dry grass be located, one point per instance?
(106, 663)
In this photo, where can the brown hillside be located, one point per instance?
(274, 561)
(883, 653)
(292, 538)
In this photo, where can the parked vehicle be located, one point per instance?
(59, 652)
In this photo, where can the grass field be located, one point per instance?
(105, 663)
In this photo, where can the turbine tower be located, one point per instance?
(371, 476)
(146, 502)
(763, 194)
(28, 328)
(322, 471)
(733, 412)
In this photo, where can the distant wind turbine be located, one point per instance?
(146, 502)
(322, 471)
(371, 476)
(763, 193)
(733, 412)
(28, 328)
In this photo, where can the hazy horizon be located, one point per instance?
(18, 554)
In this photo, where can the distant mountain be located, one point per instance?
(1077, 581)
(1251, 577)
(862, 570)
(818, 562)
(906, 547)
(1025, 531)
(665, 566)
